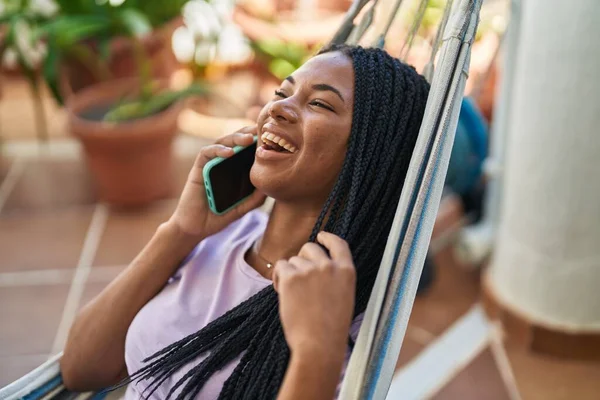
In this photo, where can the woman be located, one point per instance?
(333, 151)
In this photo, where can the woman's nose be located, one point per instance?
(280, 111)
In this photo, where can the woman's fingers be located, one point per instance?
(205, 155)
(282, 270)
(209, 152)
(222, 148)
(243, 137)
(338, 248)
(314, 253)
(301, 263)
(307, 282)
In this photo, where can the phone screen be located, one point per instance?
(230, 179)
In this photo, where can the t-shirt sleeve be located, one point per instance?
(354, 329)
(177, 275)
(235, 230)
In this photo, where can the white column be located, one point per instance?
(546, 263)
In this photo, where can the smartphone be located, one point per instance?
(227, 180)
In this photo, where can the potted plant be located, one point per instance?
(126, 126)
(127, 133)
(102, 29)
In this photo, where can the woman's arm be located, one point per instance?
(312, 375)
(316, 301)
(94, 356)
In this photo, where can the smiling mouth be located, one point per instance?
(276, 143)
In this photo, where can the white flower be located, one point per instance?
(233, 46)
(23, 42)
(210, 29)
(183, 44)
(31, 52)
(205, 53)
(45, 8)
(38, 53)
(9, 60)
(223, 8)
(202, 19)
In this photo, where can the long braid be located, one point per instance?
(389, 102)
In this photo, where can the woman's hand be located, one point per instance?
(316, 296)
(316, 301)
(192, 217)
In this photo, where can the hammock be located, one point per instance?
(375, 354)
(378, 345)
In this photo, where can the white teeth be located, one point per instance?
(289, 148)
(278, 140)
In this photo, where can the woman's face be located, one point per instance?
(303, 131)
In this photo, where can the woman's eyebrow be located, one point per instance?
(326, 87)
(320, 87)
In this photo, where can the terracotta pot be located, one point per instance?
(131, 161)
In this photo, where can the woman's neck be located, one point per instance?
(288, 229)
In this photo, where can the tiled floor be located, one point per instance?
(47, 204)
(126, 233)
(49, 184)
(43, 240)
(479, 380)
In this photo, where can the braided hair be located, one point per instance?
(389, 102)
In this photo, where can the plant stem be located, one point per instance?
(41, 126)
(38, 105)
(87, 58)
(145, 69)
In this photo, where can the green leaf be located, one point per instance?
(9, 35)
(104, 48)
(291, 53)
(5, 18)
(134, 22)
(272, 48)
(79, 7)
(50, 72)
(144, 108)
(65, 31)
(158, 12)
(281, 68)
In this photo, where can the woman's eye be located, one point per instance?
(320, 104)
(279, 93)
